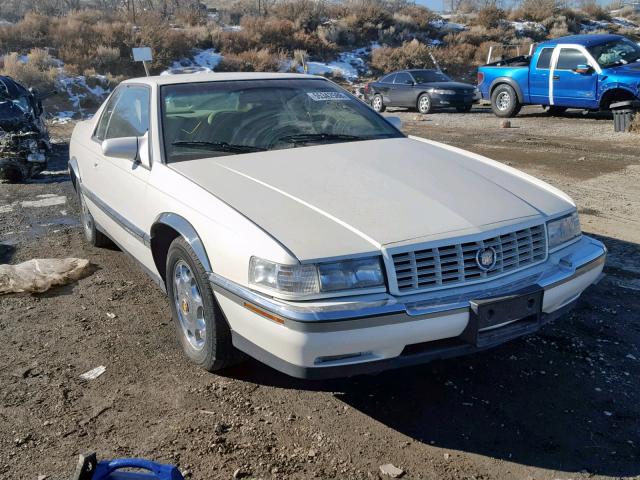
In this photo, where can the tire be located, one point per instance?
(200, 324)
(504, 101)
(378, 104)
(554, 110)
(464, 109)
(92, 235)
(424, 104)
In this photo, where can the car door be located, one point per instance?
(570, 88)
(402, 94)
(384, 87)
(118, 185)
(539, 77)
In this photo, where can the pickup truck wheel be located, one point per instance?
(203, 331)
(424, 104)
(378, 104)
(93, 236)
(554, 110)
(504, 101)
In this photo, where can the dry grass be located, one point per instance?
(635, 124)
(38, 71)
(252, 61)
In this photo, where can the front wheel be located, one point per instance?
(424, 104)
(203, 331)
(504, 101)
(378, 104)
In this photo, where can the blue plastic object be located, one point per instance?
(90, 469)
(108, 470)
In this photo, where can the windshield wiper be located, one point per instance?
(217, 146)
(319, 137)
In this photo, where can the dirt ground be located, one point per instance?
(563, 404)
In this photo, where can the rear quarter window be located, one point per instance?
(544, 59)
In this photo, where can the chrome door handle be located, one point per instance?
(556, 77)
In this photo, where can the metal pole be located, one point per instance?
(490, 54)
(146, 68)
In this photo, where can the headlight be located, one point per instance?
(440, 91)
(310, 279)
(563, 230)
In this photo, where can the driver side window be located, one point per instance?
(130, 118)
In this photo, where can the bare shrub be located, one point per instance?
(252, 61)
(490, 16)
(594, 11)
(537, 10)
(410, 55)
(37, 70)
(635, 124)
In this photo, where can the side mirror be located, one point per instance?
(125, 148)
(129, 148)
(395, 121)
(582, 69)
(410, 82)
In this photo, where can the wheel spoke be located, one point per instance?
(189, 305)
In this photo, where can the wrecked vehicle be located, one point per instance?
(24, 140)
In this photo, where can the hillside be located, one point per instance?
(84, 52)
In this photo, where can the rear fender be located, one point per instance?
(509, 81)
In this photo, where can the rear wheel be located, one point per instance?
(203, 331)
(424, 103)
(93, 236)
(504, 101)
(378, 104)
(554, 110)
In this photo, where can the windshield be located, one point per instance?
(224, 118)
(428, 76)
(618, 52)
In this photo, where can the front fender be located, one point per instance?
(187, 231)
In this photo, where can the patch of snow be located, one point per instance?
(624, 22)
(47, 200)
(232, 28)
(61, 118)
(446, 26)
(523, 27)
(593, 25)
(349, 65)
(201, 61)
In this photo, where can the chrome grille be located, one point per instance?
(454, 265)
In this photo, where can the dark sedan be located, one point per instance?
(424, 90)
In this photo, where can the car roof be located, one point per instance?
(217, 77)
(587, 39)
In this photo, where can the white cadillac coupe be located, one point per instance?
(288, 220)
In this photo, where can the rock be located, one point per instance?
(505, 124)
(391, 470)
(312, 453)
(43, 477)
(240, 473)
(111, 315)
(447, 456)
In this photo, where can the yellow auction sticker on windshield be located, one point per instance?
(328, 96)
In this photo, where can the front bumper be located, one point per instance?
(458, 100)
(364, 334)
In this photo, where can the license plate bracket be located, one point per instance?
(494, 320)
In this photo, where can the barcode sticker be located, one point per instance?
(328, 96)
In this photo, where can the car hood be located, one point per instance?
(632, 70)
(448, 85)
(349, 198)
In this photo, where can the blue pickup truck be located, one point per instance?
(579, 71)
